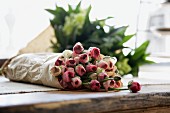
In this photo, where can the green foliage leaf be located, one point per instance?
(92, 34)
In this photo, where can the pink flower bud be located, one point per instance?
(70, 62)
(63, 84)
(76, 82)
(102, 76)
(102, 64)
(63, 69)
(106, 85)
(76, 59)
(55, 71)
(83, 58)
(80, 70)
(134, 87)
(113, 84)
(75, 54)
(71, 69)
(78, 48)
(94, 52)
(59, 62)
(91, 68)
(67, 76)
(95, 85)
(109, 84)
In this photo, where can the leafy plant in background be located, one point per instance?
(74, 26)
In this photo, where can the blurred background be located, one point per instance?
(23, 20)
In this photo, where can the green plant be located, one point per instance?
(74, 26)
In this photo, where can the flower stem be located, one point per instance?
(118, 89)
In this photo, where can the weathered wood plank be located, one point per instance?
(150, 98)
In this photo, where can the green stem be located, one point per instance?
(118, 89)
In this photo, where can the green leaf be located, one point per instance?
(140, 50)
(77, 10)
(125, 39)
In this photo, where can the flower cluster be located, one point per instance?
(79, 69)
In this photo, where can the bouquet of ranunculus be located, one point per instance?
(77, 69)
(81, 68)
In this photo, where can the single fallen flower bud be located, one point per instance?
(134, 87)
(91, 68)
(80, 70)
(55, 71)
(95, 85)
(78, 48)
(76, 82)
(84, 58)
(94, 52)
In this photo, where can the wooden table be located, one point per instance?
(153, 98)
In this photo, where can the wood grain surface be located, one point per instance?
(150, 98)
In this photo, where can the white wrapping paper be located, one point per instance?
(32, 68)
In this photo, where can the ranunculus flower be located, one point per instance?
(93, 76)
(75, 54)
(94, 52)
(110, 60)
(63, 84)
(100, 70)
(63, 69)
(67, 54)
(106, 85)
(76, 82)
(80, 70)
(109, 84)
(76, 59)
(59, 62)
(102, 64)
(95, 85)
(70, 62)
(67, 76)
(118, 84)
(55, 71)
(134, 87)
(83, 58)
(91, 68)
(102, 76)
(78, 48)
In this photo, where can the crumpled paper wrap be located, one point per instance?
(32, 68)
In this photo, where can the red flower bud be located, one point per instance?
(70, 62)
(67, 76)
(63, 84)
(94, 52)
(76, 82)
(78, 48)
(103, 64)
(102, 76)
(59, 62)
(134, 87)
(91, 68)
(95, 85)
(80, 70)
(83, 58)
